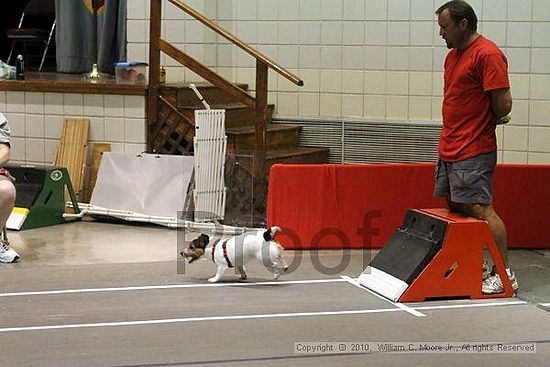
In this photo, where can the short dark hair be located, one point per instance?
(460, 9)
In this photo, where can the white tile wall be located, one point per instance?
(352, 105)
(399, 9)
(267, 10)
(493, 10)
(495, 31)
(540, 111)
(34, 127)
(309, 10)
(420, 108)
(36, 122)
(375, 106)
(397, 83)
(3, 100)
(354, 9)
(421, 33)
(519, 60)
(422, 10)
(540, 61)
(15, 102)
(331, 104)
(519, 10)
(398, 34)
(384, 53)
(397, 58)
(375, 33)
(541, 12)
(331, 9)
(34, 102)
(516, 138)
(421, 58)
(375, 82)
(308, 104)
(352, 58)
(376, 9)
(518, 34)
(73, 104)
(540, 40)
(353, 33)
(288, 9)
(352, 82)
(331, 33)
(18, 124)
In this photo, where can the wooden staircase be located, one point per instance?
(281, 140)
(254, 143)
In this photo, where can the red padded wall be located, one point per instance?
(359, 206)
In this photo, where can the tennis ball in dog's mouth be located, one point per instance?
(189, 259)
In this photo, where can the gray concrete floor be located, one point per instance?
(104, 294)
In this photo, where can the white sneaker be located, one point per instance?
(7, 254)
(493, 284)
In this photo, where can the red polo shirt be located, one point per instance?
(468, 122)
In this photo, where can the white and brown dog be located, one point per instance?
(238, 250)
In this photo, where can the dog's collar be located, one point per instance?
(224, 248)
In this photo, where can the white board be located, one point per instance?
(148, 184)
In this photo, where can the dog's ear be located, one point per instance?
(203, 240)
(270, 233)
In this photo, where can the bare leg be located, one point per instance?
(487, 212)
(7, 200)
(496, 225)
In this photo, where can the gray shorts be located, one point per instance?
(467, 182)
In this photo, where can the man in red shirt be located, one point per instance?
(476, 98)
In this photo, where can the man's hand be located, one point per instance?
(504, 119)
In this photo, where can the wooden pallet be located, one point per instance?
(72, 151)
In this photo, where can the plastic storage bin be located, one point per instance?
(131, 72)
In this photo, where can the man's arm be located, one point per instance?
(4, 154)
(501, 102)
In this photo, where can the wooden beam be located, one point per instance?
(260, 120)
(154, 68)
(207, 74)
(59, 85)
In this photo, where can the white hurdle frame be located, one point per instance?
(170, 222)
(210, 145)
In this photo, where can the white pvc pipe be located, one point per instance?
(194, 87)
(166, 221)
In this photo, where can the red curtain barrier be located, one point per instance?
(359, 206)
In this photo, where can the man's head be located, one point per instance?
(457, 23)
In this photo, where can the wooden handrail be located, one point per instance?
(204, 72)
(233, 39)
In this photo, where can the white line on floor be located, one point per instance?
(472, 305)
(245, 317)
(168, 286)
(399, 305)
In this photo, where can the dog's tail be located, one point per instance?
(270, 233)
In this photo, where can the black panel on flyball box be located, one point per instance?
(411, 247)
(28, 184)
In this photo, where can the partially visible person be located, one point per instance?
(7, 191)
(476, 98)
